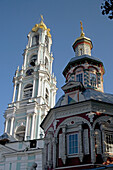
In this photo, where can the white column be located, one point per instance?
(14, 93)
(38, 123)
(32, 130)
(39, 86)
(6, 124)
(43, 94)
(38, 56)
(51, 66)
(54, 98)
(27, 124)
(42, 90)
(19, 92)
(12, 123)
(34, 87)
(25, 59)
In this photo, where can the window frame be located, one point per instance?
(35, 40)
(79, 77)
(109, 145)
(68, 147)
(28, 89)
(29, 72)
(93, 84)
(33, 58)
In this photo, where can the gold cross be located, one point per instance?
(81, 26)
(42, 17)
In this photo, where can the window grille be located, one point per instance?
(73, 144)
(93, 79)
(28, 91)
(109, 142)
(79, 77)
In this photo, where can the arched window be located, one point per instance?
(28, 91)
(47, 95)
(29, 72)
(46, 41)
(81, 51)
(32, 60)
(46, 62)
(20, 133)
(93, 79)
(35, 40)
(79, 74)
(9, 126)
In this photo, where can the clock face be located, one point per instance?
(29, 72)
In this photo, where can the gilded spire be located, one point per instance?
(82, 33)
(42, 18)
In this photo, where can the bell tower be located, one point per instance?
(34, 87)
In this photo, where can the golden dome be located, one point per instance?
(42, 26)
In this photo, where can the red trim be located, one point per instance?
(94, 68)
(78, 67)
(82, 43)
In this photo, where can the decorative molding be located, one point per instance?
(91, 116)
(76, 119)
(55, 124)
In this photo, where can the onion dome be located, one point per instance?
(82, 45)
(83, 67)
(41, 25)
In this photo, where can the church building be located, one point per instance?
(79, 129)
(34, 94)
(76, 132)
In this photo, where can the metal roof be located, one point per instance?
(89, 94)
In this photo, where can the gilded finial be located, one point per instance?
(42, 18)
(82, 33)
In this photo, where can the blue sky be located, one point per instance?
(17, 17)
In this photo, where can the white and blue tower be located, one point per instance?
(34, 87)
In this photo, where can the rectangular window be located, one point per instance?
(73, 144)
(109, 142)
(79, 77)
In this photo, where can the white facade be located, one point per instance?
(34, 87)
(21, 156)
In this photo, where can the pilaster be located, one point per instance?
(34, 86)
(33, 129)
(12, 125)
(54, 151)
(14, 92)
(92, 144)
(27, 124)
(19, 92)
(6, 124)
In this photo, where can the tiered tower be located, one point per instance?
(83, 67)
(34, 87)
